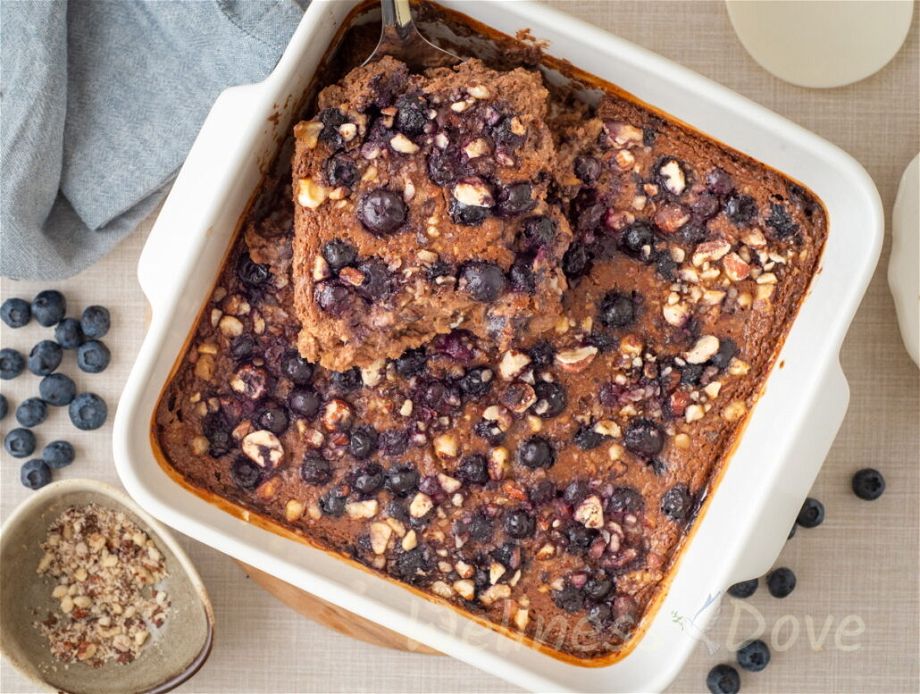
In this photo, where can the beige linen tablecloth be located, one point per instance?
(857, 573)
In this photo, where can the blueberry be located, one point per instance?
(11, 363)
(868, 484)
(780, 582)
(542, 355)
(35, 474)
(617, 310)
(332, 503)
(368, 479)
(636, 238)
(31, 412)
(473, 469)
(332, 297)
(15, 312)
(362, 441)
(401, 480)
(587, 439)
(87, 411)
(412, 566)
(250, 272)
(315, 469)
(378, 281)
(576, 261)
(68, 333)
(536, 452)
(812, 514)
(19, 443)
(723, 679)
(676, 502)
(754, 656)
(331, 118)
(58, 454)
(587, 169)
(477, 381)
(515, 199)
(643, 438)
(666, 266)
(217, 432)
(245, 473)
(506, 133)
(579, 537)
(467, 215)
(444, 167)
(625, 500)
(744, 589)
(296, 368)
(382, 211)
(274, 418)
(706, 206)
(95, 322)
(483, 280)
(598, 587)
(542, 492)
(304, 401)
(600, 615)
(49, 307)
(780, 224)
(411, 362)
(719, 182)
(479, 527)
(741, 209)
(575, 492)
(45, 357)
(551, 399)
(242, 347)
(339, 253)
(4, 406)
(792, 532)
(520, 523)
(341, 171)
(569, 598)
(489, 431)
(538, 232)
(93, 356)
(521, 275)
(693, 233)
(410, 115)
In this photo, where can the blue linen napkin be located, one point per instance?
(99, 104)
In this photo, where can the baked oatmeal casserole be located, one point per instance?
(492, 342)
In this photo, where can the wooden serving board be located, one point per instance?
(332, 616)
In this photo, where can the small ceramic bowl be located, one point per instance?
(180, 647)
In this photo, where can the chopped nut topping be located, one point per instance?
(513, 363)
(108, 600)
(403, 144)
(310, 193)
(308, 132)
(575, 360)
(704, 349)
(421, 504)
(473, 192)
(590, 512)
(263, 448)
(361, 509)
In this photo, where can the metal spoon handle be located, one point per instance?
(397, 17)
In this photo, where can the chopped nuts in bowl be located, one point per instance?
(96, 597)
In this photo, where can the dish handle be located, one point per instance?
(182, 224)
(796, 476)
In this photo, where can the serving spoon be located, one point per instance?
(400, 38)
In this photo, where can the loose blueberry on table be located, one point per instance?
(723, 679)
(35, 474)
(58, 454)
(812, 514)
(744, 589)
(68, 333)
(87, 411)
(754, 656)
(95, 322)
(15, 312)
(49, 307)
(57, 389)
(781, 582)
(19, 443)
(45, 357)
(12, 363)
(31, 412)
(868, 484)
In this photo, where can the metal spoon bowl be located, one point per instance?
(400, 38)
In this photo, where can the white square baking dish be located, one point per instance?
(769, 474)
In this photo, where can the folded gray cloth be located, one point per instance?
(100, 103)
